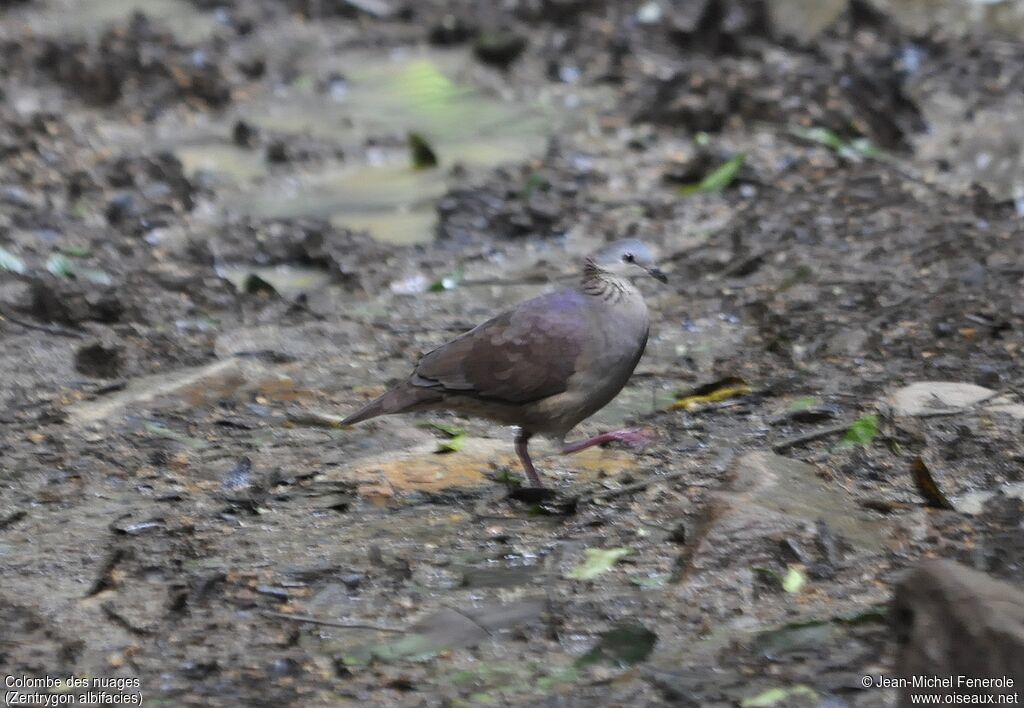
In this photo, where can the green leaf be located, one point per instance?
(453, 444)
(794, 580)
(626, 644)
(822, 136)
(76, 251)
(596, 562)
(802, 404)
(449, 283)
(422, 154)
(852, 150)
(9, 261)
(719, 179)
(862, 432)
(452, 431)
(62, 266)
(776, 696)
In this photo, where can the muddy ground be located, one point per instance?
(214, 243)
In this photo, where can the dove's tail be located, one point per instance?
(401, 399)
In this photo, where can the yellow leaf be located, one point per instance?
(689, 403)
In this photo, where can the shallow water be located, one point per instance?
(368, 114)
(91, 16)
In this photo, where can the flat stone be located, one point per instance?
(927, 396)
(772, 492)
(924, 397)
(421, 469)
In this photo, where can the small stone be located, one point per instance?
(499, 49)
(277, 152)
(244, 134)
(98, 360)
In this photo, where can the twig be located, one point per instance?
(328, 623)
(811, 436)
(49, 329)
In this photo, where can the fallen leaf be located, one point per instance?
(721, 390)
(449, 282)
(61, 265)
(456, 437)
(421, 153)
(719, 179)
(853, 150)
(76, 251)
(596, 562)
(451, 431)
(862, 432)
(927, 486)
(453, 444)
(9, 261)
(794, 579)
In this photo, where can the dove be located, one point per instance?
(545, 365)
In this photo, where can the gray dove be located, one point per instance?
(546, 364)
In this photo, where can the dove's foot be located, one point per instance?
(632, 437)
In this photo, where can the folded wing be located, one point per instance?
(521, 356)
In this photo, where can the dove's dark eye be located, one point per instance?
(627, 257)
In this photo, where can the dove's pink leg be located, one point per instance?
(630, 437)
(522, 440)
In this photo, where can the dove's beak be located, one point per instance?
(657, 275)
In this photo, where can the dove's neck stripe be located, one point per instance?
(598, 282)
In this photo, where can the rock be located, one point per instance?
(277, 152)
(772, 490)
(71, 302)
(244, 134)
(954, 621)
(99, 360)
(449, 30)
(925, 397)
(499, 49)
(772, 498)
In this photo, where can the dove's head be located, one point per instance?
(628, 258)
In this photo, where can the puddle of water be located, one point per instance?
(82, 17)
(227, 164)
(376, 188)
(396, 204)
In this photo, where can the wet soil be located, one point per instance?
(214, 244)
